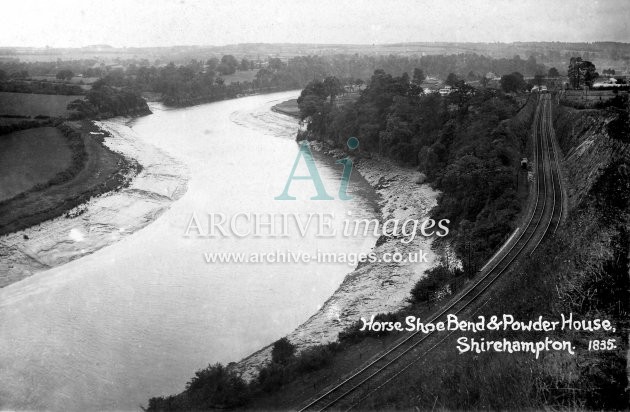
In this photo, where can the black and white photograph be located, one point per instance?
(314, 205)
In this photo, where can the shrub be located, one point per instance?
(212, 387)
(282, 351)
(316, 358)
(437, 279)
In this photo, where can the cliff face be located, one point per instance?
(596, 281)
(588, 149)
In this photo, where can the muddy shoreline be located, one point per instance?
(95, 170)
(373, 287)
(83, 217)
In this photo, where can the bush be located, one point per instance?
(210, 388)
(437, 279)
(316, 358)
(282, 351)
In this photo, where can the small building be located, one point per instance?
(446, 90)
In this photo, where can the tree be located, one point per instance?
(539, 78)
(212, 64)
(418, 76)
(276, 64)
(452, 80)
(436, 279)
(311, 100)
(224, 69)
(332, 87)
(263, 78)
(244, 64)
(530, 65)
(513, 82)
(282, 351)
(65, 74)
(581, 72)
(553, 72)
(217, 387)
(228, 64)
(229, 60)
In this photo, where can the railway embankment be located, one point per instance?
(579, 269)
(588, 147)
(582, 270)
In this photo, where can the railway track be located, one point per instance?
(543, 220)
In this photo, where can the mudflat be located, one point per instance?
(290, 108)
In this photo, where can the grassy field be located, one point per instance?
(74, 80)
(94, 170)
(30, 157)
(5, 121)
(245, 76)
(27, 104)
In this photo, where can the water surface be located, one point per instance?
(137, 318)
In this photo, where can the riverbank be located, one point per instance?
(94, 169)
(103, 171)
(370, 288)
(46, 228)
(289, 108)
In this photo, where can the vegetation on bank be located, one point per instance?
(205, 81)
(619, 109)
(104, 101)
(583, 270)
(10, 124)
(218, 387)
(469, 143)
(465, 143)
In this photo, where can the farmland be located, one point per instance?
(240, 76)
(27, 104)
(30, 157)
(74, 80)
(94, 169)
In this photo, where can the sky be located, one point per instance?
(126, 23)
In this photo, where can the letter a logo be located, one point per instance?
(305, 152)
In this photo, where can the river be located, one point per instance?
(137, 318)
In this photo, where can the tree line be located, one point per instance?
(463, 142)
(199, 81)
